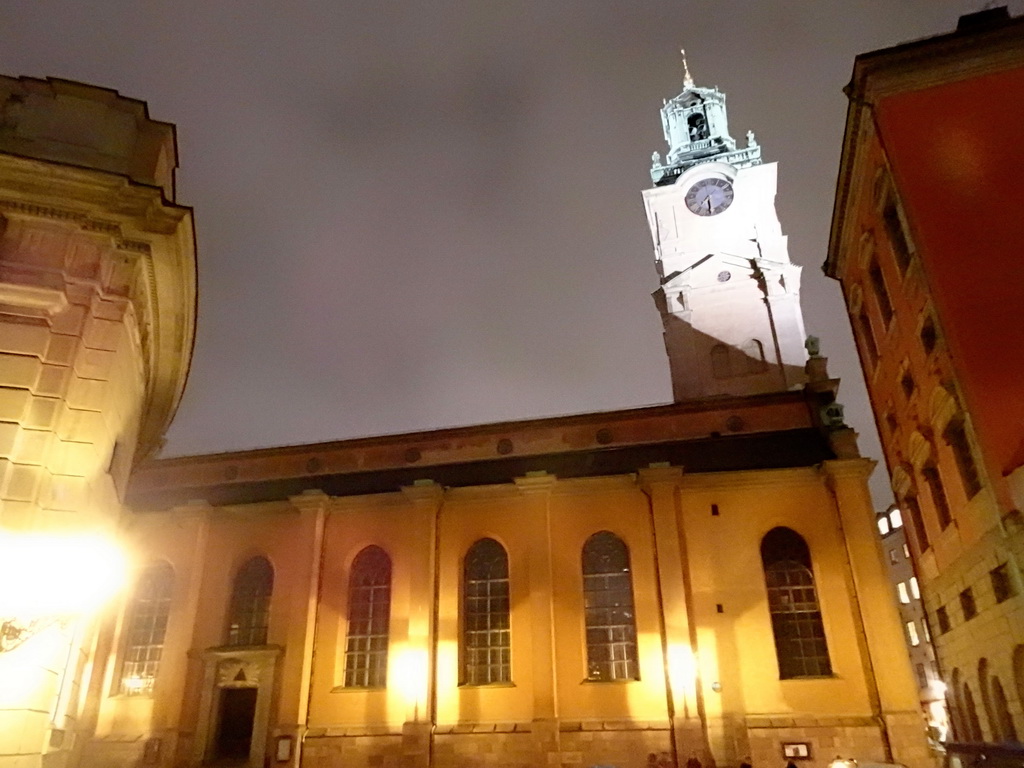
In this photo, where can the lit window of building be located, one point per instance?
(249, 612)
(883, 525)
(915, 590)
(147, 626)
(486, 633)
(902, 589)
(608, 606)
(896, 519)
(912, 633)
(800, 643)
(369, 614)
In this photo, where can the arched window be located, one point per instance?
(369, 614)
(146, 628)
(486, 634)
(793, 602)
(955, 702)
(986, 698)
(1018, 671)
(753, 356)
(249, 612)
(698, 126)
(971, 722)
(1004, 720)
(608, 608)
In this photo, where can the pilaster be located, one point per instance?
(894, 692)
(679, 639)
(536, 487)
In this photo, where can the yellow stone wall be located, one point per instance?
(726, 699)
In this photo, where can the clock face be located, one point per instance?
(709, 196)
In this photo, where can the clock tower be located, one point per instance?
(729, 296)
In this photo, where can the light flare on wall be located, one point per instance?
(47, 578)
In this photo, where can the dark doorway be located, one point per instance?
(234, 723)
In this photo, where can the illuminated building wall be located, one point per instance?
(925, 241)
(692, 491)
(931, 688)
(88, 379)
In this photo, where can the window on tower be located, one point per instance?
(698, 126)
(797, 625)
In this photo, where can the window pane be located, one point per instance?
(486, 639)
(800, 643)
(369, 609)
(249, 614)
(608, 609)
(147, 625)
(902, 589)
(912, 633)
(896, 518)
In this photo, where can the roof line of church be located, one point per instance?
(487, 453)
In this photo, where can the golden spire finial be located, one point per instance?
(687, 80)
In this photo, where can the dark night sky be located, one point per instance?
(417, 215)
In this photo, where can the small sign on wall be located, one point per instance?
(284, 749)
(796, 750)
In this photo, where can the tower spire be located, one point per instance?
(687, 79)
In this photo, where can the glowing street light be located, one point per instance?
(48, 578)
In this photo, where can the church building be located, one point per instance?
(694, 583)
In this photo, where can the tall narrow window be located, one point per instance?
(369, 616)
(1002, 585)
(916, 523)
(608, 609)
(914, 638)
(249, 613)
(930, 473)
(1001, 708)
(897, 237)
(929, 336)
(971, 715)
(486, 633)
(147, 626)
(868, 337)
(942, 617)
(881, 293)
(956, 436)
(967, 604)
(793, 602)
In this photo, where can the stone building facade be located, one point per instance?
(97, 305)
(925, 243)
